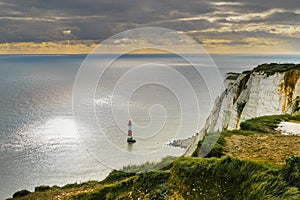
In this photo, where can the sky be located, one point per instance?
(76, 26)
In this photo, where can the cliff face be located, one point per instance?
(256, 93)
(269, 89)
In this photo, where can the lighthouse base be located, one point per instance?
(131, 140)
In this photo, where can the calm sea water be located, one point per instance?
(39, 144)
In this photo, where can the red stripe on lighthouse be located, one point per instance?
(129, 129)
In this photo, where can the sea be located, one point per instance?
(63, 118)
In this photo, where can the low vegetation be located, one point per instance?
(195, 178)
(266, 124)
(150, 166)
(21, 193)
(272, 68)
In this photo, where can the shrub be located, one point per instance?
(77, 185)
(42, 188)
(21, 193)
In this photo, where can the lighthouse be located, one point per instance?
(129, 137)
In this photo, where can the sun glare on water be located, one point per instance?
(60, 128)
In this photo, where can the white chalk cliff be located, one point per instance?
(269, 89)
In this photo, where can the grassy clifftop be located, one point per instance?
(224, 174)
(257, 139)
(192, 178)
(273, 68)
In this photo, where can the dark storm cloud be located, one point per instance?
(259, 6)
(180, 25)
(287, 17)
(38, 20)
(27, 30)
(91, 19)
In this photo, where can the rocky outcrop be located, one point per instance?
(269, 89)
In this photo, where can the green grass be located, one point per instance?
(150, 166)
(266, 124)
(42, 188)
(206, 178)
(291, 171)
(231, 178)
(78, 185)
(272, 68)
(200, 178)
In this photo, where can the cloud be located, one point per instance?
(67, 32)
(226, 3)
(213, 42)
(214, 23)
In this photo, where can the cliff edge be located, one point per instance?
(268, 89)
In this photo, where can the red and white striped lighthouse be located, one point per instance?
(129, 130)
(129, 137)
